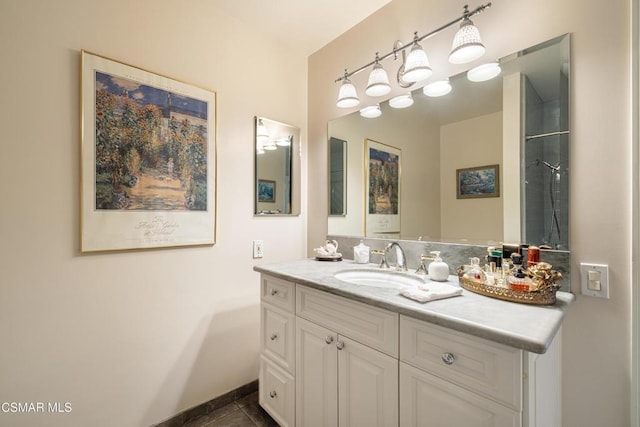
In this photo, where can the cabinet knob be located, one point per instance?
(448, 358)
(340, 345)
(274, 292)
(274, 336)
(273, 394)
(328, 339)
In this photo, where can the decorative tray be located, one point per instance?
(546, 279)
(336, 257)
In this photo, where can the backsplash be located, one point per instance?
(454, 254)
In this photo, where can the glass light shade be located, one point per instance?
(401, 101)
(467, 45)
(371, 112)
(270, 146)
(378, 82)
(438, 88)
(285, 141)
(261, 131)
(348, 96)
(417, 66)
(484, 72)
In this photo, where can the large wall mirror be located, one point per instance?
(518, 121)
(277, 171)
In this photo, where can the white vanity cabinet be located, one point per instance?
(341, 381)
(327, 360)
(277, 349)
(448, 378)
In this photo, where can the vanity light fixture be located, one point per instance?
(371, 112)
(437, 88)
(348, 96)
(401, 101)
(467, 46)
(417, 67)
(484, 72)
(270, 145)
(285, 141)
(262, 133)
(378, 80)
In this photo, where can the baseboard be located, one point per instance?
(207, 407)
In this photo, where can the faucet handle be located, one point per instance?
(423, 268)
(383, 257)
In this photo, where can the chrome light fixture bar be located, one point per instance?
(417, 64)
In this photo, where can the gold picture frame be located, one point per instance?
(148, 160)
(478, 182)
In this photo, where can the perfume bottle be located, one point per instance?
(518, 280)
(475, 273)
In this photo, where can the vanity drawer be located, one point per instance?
(278, 292)
(277, 393)
(277, 336)
(483, 366)
(372, 326)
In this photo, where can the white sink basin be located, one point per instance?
(379, 278)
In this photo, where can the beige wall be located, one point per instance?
(420, 168)
(597, 335)
(130, 338)
(465, 144)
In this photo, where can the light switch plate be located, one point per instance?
(589, 275)
(258, 249)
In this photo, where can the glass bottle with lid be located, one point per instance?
(475, 273)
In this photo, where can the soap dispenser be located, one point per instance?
(361, 253)
(438, 269)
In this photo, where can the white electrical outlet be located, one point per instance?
(258, 249)
(594, 280)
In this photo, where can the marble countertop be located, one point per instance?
(527, 327)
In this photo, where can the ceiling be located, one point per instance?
(305, 26)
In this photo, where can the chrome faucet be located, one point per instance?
(401, 260)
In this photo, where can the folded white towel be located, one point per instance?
(431, 291)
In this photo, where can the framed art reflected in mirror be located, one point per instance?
(382, 183)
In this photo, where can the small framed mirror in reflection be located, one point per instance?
(277, 168)
(337, 177)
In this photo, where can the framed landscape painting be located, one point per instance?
(481, 181)
(266, 191)
(382, 189)
(148, 159)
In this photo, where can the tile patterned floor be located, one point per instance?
(244, 412)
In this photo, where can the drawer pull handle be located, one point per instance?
(448, 358)
(328, 339)
(340, 345)
(274, 336)
(273, 394)
(274, 292)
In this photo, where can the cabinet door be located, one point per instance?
(367, 386)
(316, 375)
(426, 400)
